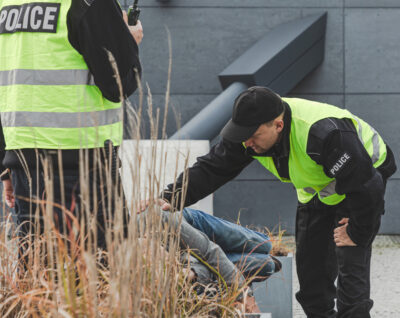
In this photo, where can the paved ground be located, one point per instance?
(385, 279)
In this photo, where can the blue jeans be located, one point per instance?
(247, 249)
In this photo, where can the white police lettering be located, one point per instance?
(36, 14)
(49, 18)
(30, 17)
(340, 163)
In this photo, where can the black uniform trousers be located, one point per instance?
(30, 193)
(319, 262)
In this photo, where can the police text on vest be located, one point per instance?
(339, 164)
(30, 17)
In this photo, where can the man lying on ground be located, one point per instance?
(240, 255)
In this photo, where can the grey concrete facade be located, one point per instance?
(361, 72)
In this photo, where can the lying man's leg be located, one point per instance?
(247, 249)
(254, 247)
(199, 243)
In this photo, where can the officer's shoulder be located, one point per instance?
(326, 126)
(78, 10)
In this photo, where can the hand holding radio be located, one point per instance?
(133, 13)
(136, 30)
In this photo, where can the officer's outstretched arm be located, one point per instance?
(223, 163)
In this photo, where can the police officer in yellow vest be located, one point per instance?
(339, 166)
(58, 92)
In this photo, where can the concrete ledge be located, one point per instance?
(159, 161)
(275, 294)
(261, 315)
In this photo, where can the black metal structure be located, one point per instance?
(280, 61)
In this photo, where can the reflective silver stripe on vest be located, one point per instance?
(375, 141)
(325, 192)
(46, 77)
(309, 190)
(375, 146)
(328, 190)
(61, 120)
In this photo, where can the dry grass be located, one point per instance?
(281, 246)
(140, 279)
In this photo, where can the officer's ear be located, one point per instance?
(279, 124)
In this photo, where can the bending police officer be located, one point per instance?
(339, 166)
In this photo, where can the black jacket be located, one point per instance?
(328, 140)
(93, 27)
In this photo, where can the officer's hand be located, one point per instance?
(165, 206)
(340, 235)
(136, 30)
(8, 193)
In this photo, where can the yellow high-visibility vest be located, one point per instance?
(307, 176)
(48, 98)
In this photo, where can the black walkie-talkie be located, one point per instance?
(133, 13)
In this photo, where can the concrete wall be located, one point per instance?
(361, 72)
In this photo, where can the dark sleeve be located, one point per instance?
(2, 154)
(224, 162)
(335, 145)
(95, 27)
